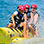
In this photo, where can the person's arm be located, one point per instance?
(14, 14)
(31, 19)
(12, 17)
(25, 17)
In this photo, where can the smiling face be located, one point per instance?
(33, 9)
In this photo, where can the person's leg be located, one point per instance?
(10, 25)
(35, 22)
(36, 32)
(27, 32)
(24, 28)
(31, 29)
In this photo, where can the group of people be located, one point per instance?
(25, 19)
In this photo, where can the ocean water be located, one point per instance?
(7, 8)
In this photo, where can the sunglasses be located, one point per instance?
(27, 8)
(33, 8)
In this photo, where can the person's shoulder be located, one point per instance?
(37, 13)
(15, 13)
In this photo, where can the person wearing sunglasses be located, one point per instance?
(35, 18)
(28, 20)
(17, 19)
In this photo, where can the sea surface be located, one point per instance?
(7, 8)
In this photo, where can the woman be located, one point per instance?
(29, 18)
(35, 18)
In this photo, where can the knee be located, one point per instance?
(9, 25)
(21, 24)
(30, 25)
(24, 23)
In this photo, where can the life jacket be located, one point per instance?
(28, 14)
(19, 18)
